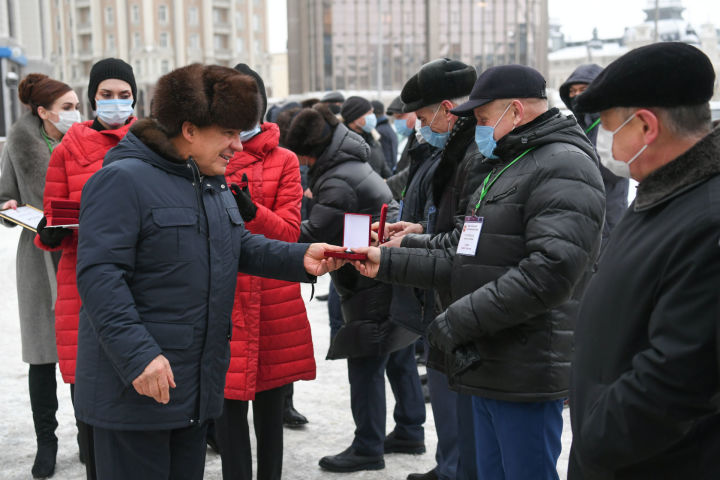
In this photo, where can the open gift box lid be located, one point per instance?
(356, 233)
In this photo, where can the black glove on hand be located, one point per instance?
(52, 237)
(247, 208)
(440, 336)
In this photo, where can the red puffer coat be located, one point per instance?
(271, 341)
(72, 163)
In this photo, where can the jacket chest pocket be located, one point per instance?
(236, 226)
(501, 195)
(175, 234)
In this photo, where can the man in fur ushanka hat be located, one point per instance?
(159, 250)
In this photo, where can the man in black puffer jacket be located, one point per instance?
(342, 182)
(516, 281)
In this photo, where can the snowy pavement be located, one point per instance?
(325, 401)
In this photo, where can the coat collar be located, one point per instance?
(688, 170)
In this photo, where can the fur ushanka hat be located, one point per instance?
(206, 95)
(311, 130)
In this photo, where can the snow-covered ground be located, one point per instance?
(325, 401)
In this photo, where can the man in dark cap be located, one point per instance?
(388, 138)
(443, 169)
(515, 270)
(616, 188)
(334, 101)
(404, 124)
(357, 115)
(645, 375)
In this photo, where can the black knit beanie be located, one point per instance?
(243, 68)
(110, 68)
(354, 108)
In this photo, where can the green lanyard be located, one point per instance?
(489, 183)
(47, 140)
(595, 124)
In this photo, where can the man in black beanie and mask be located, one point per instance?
(645, 385)
(616, 188)
(357, 115)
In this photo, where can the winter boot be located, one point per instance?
(291, 417)
(43, 401)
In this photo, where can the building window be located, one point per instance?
(137, 43)
(256, 44)
(219, 42)
(74, 72)
(239, 45)
(109, 16)
(193, 16)
(256, 23)
(164, 67)
(137, 69)
(163, 14)
(164, 43)
(194, 41)
(239, 20)
(135, 14)
(110, 42)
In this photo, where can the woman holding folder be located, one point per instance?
(111, 92)
(52, 110)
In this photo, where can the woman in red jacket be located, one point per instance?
(112, 92)
(271, 344)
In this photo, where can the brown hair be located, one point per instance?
(206, 95)
(38, 90)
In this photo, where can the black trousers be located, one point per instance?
(85, 442)
(233, 436)
(177, 454)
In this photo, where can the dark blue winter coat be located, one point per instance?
(158, 256)
(388, 140)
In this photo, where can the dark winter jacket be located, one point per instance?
(514, 301)
(342, 182)
(398, 180)
(416, 206)
(388, 141)
(645, 384)
(376, 158)
(460, 171)
(616, 188)
(158, 255)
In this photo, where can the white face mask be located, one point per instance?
(604, 146)
(66, 118)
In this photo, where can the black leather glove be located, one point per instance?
(247, 208)
(52, 237)
(440, 336)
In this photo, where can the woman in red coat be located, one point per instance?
(271, 344)
(112, 92)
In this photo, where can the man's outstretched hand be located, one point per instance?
(156, 380)
(369, 267)
(317, 264)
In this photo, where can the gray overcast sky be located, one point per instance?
(577, 17)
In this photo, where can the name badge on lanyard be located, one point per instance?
(470, 236)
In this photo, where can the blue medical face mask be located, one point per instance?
(114, 112)
(401, 127)
(246, 135)
(437, 140)
(485, 137)
(370, 123)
